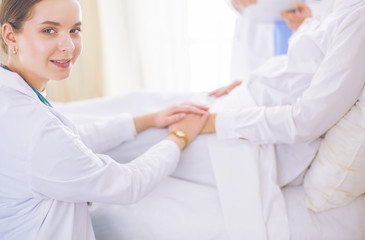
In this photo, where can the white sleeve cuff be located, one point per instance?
(169, 142)
(225, 125)
(127, 127)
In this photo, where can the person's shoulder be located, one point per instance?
(353, 16)
(353, 9)
(347, 16)
(16, 105)
(13, 98)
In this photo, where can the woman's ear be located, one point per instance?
(8, 36)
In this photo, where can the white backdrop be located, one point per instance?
(165, 45)
(174, 45)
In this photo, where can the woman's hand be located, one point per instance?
(191, 126)
(209, 127)
(168, 116)
(225, 90)
(295, 18)
(239, 4)
(176, 113)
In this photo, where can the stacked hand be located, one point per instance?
(191, 126)
(167, 116)
(186, 117)
(175, 113)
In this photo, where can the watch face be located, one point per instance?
(180, 133)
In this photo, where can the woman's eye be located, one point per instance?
(76, 30)
(49, 30)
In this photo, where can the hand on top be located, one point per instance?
(191, 126)
(189, 118)
(176, 113)
(168, 116)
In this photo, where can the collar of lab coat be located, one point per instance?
(15, 81)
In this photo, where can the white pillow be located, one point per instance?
(337, 174)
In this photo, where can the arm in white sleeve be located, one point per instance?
(103, 135)
(61, 167)
(334, 89)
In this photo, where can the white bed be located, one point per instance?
(188, 205)
(181, 210)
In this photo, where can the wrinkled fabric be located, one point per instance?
(299, 96)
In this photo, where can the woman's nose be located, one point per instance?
(66, 44)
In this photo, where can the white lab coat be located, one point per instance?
(253, 41)
(50, 169)
(301, 95)
(325, 67)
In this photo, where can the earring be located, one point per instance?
(14, 51)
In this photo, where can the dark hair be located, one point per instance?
(15, 12)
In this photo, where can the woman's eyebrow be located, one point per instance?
(51, 23)
(58, 24)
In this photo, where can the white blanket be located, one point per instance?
(244, 173)
(251, 199)
(246, 177)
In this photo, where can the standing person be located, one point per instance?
(49, 168)
(255, 41)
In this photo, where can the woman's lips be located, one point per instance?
(64, 63)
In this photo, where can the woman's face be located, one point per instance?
(50, 41)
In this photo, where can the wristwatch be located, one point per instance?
(181, 134)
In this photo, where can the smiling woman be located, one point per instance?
(53, 45)
(51, 168)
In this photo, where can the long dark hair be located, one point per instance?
(15, 12)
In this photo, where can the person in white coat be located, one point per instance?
(51, 168)
(255, 41)
(299, 96)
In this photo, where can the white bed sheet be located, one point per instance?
(180, 210)
(175, 210)
(179, 207)
(345, 223)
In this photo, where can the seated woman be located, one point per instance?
(49, 168)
